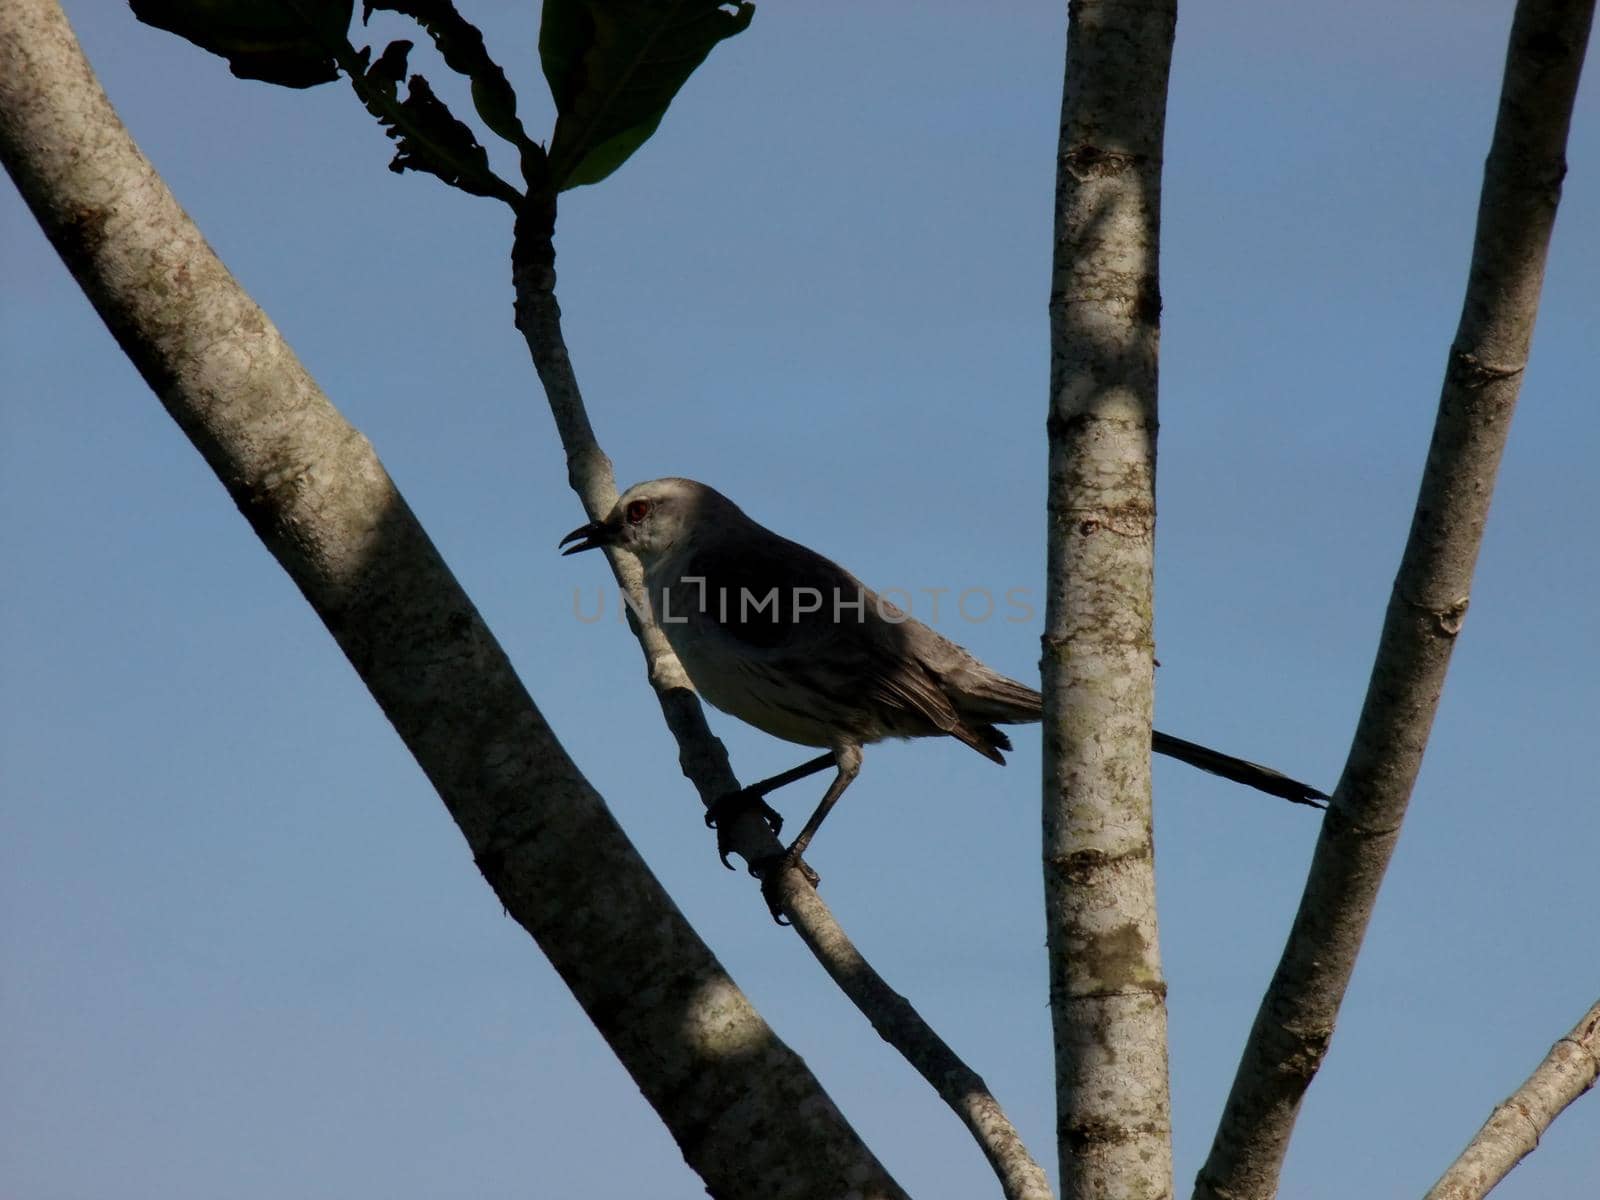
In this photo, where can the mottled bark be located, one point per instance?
(747, 1114)
(1521, 188)
(1512, 1131)
(1107, 995)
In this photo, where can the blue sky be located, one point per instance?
(245, 952)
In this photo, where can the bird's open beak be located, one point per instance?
(587, 537)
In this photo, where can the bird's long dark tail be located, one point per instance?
(983, 696)
(1265, 779)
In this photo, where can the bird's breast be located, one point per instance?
(764, 687)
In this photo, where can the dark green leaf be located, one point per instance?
(461, 45)
(391, 65)
(614, 67)
(426, 134)
(287, 42)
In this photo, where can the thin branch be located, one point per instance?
(704, 759)
(744, 1109)
(1107, 994)
(899, 1024)
(1513, 1130)
(1521, 188)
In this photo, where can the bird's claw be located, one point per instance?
(771, 869)
(723, 807)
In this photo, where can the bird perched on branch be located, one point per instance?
(787, 641)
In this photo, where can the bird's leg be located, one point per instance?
(771, 869)
(723, 807)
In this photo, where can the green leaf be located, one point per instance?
(461, 45)
(426, 134)
(288, 42)
(614, 67)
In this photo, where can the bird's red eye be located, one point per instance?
(637, 511)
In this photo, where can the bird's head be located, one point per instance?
(650, 519)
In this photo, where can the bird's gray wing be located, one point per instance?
(847, 650)
(750, 586)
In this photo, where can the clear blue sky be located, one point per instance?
(245, 952)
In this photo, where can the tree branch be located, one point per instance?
(1512, 1131)
(1107, 994)
(1521, 188)
(704, 759)
(899, 1024)
(747, 1113)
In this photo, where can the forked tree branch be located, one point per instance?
(1521, 188)
(703, 758)
(1107, 994)
(1512, 1131)
(746, 1112)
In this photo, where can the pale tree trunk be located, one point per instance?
(747, 1114)
(1521, 188)
(1107, 995)
(1512, 1131)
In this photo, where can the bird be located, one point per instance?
(771, 632)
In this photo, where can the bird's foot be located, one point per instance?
(771, 870)
(720, 811)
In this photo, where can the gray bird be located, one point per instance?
(785, 640)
